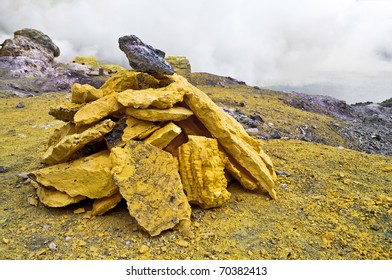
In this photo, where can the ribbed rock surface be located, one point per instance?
(202, 172)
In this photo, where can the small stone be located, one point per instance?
(143, 249)
(52, 246)
(46, 227)
(3, 169)
(239, 198)
(79, 211)
(375, 227)
(20, 105)
(127, 243)
(6, 240)
(68, 238)
(250, 253)
(183, 243)
(32, 201)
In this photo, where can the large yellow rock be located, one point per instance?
(149, 181)
(87, 60)
(66, 129)
(161, 98)
(102, 205)
(89, 176)
(245, 150)
(69, 144)
(124, 80)
(162, 137)
(84, 93)
(180, 65)
(160, 115)
(202, 172)
(54, 198)
(97, 110)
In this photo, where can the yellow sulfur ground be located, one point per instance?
(335, 205)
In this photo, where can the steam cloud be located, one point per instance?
(343, 47)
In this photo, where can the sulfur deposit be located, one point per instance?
(156, 141)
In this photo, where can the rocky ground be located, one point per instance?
(334, 186)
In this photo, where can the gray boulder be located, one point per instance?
(30, 43)
(143, 57)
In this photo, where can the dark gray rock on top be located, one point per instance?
(143, 57)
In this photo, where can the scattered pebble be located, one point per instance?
(68, 238)
(6, 240)
(32, 201)
(79, 211)
(52, 246)
(239, 198)
(20, 105)
(127, 243)
(183, 243)
(46, 227)
(3, 169)
(143, 249)
(280, 172)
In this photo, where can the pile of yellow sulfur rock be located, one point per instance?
(156, 141)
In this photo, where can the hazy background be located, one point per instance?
(341, 48)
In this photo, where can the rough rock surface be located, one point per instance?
(161, 98)
(163, 136)
(149, 181)
(89, 176)
(154, 115)
(85, 93)
(97, 110)
(180, 65)
(202, 172)
(129, 80)
(231, 136)
(30, 43)
(54, 198)
(144, 58)
(102, 205)
(69, 144)
(27, 66)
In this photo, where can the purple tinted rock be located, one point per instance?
(143, 57)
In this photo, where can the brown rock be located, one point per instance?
(148, 179)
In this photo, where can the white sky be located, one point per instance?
(262, 42)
